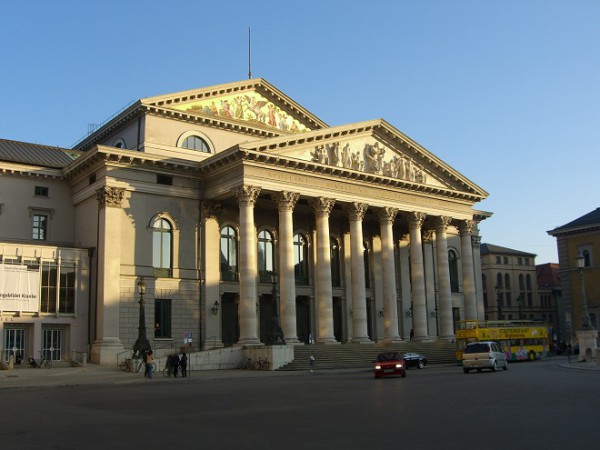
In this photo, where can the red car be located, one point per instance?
(389, 364)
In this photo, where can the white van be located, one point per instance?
(484, 355)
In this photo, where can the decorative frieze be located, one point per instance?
(371, 159)
(109, 196)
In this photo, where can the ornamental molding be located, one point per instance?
(109, 196)
(286, 201)
(322, 205)
(247, 195)
(356, 211)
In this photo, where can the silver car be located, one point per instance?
(484, 355)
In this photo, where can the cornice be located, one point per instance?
(273, 160)
(7, 168)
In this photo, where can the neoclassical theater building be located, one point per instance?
(240, 209)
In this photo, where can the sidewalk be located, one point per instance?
(65, 375)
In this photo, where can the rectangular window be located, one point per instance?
(498, 260)
(41, 191)
(526, 261)
(40, 227)
(66, 300)
(506, 260)
(162, 318)
(48, 287)
(164, 179)
(520, 261)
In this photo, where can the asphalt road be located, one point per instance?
(532, 405)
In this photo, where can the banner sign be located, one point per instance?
(19, 288)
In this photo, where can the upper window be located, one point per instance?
(162, 244)
(120, 143)
(40, 227)
(229, 269)
(336, 278)
(195, 143)
(300, 259)
(41, 191)
(453, 266)
(265, 256)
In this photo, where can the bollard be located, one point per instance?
(84, 359)
(11, 362)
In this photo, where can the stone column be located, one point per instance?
(247, 196)
(286, 201)
(405, 294)
(322, 207)
(430, 283)
(443, 270)
(476, 241)
(417, 276)
(209, 284)
(356, 213)
(388, 269)
(108, 344)
(465, 229)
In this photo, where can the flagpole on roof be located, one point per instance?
(249, 56)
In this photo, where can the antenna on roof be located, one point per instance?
(249, 56)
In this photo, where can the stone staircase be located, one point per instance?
(349, 356)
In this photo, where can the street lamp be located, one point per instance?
(586, 324)
(499, 300)
(276, 331)
(141, 346)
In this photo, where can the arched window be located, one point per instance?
(265, 256)
(300, 259)
(195, 143)
(162, 247)
(229, 268)
(120, 143)
(336, 279)
(453, 266)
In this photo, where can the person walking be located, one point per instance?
(149, 365)
(183, 365)
(175, 364)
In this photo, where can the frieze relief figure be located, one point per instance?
(371, 160)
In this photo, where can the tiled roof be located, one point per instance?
(35, 154)
(496, 249)
(589, 219)
(547, 275)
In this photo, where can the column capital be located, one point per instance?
(387, 214)
(356, 210)
(109, 196)
(442, 223)
(286, 201)
(416, 219)
(466, 227)
(210, 209)
(428, 236)
(475, 241)
(247, 194)
(322, 205)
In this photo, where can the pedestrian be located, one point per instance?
(175, 364)
(412, 333)
(169, 365)
(149, 365)
(569, 353)
(183, 365)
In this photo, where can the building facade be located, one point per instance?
(242, 211)
(580, 287)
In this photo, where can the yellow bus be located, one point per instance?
(522, 340)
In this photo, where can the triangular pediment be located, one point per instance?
(254, 103)
(374, 148)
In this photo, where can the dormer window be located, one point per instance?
(195, 143)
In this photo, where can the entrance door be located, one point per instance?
(230, 329)
(14, 342)
(303, 319)
(337, 319)
(267, 317)
(52, 344)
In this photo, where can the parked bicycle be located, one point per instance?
(126, 365)
(245, 364)
(261, 364)
(43, 362)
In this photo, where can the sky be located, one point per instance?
(507, 92)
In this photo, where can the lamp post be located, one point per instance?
(586, 324)
(142, 345)
(499, 300)
(276, 331)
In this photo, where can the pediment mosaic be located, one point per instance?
(248, 107)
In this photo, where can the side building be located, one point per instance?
(579, 240)
(243, 212)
